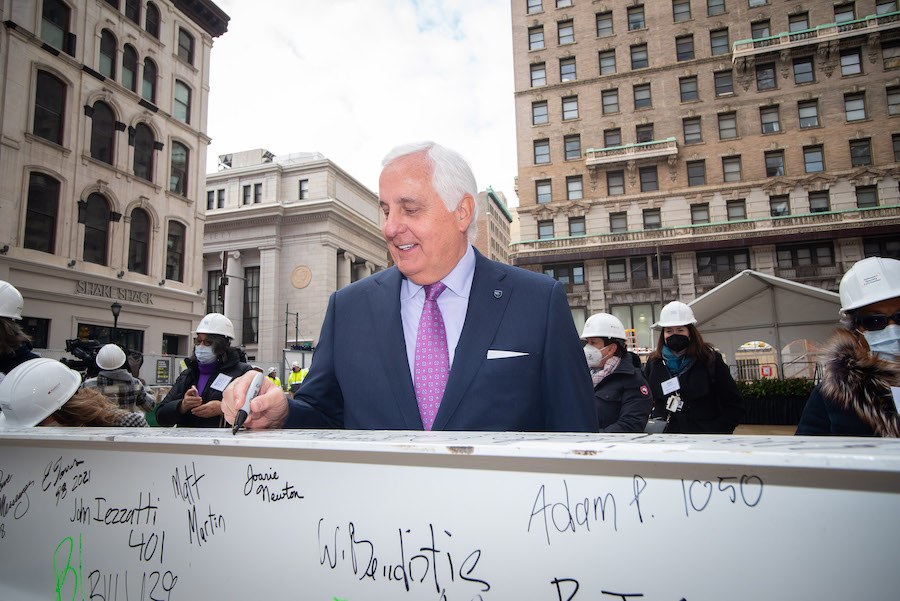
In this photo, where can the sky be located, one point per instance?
(354, 78)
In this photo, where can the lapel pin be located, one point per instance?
(498, 293)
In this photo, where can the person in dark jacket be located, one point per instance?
(862, 359)
(692, 387)
(195, 398)
(15, 345)
(117, 384)
(620, 390)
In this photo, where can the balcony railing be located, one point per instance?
(810, 271)
(630, 152)
(816, 35)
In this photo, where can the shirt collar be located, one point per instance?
(458, 281)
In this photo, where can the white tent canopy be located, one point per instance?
(758, 306)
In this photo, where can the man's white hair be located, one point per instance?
(451, 175)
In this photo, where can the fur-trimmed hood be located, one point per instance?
(858, 381)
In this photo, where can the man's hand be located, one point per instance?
(210, 409)
(268, 410)
(191, 400)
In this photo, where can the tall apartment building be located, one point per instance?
(494, 219)
(103, 113)
(665, 145)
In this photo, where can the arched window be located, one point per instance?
(49, 107)
(175, 252)
(107, 62)
(143, 152)
(133, 10)
(181, 107)
(178, 178)
(96, 229)
(129, 67)
(55, 20)
(139, 242)
(148, 87)
(103, 131)
(185, 46)
(151, 20)
(41, 215)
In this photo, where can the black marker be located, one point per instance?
(244, 411)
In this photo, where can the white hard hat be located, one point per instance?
(869, 281)
(11, 302)
(295, 364)
(33, 390)
(110, 356)
(216, 323)
(674, 314)
(603, 325)
(272, 370)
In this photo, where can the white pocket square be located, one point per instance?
(494, 354)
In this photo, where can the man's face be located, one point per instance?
(426, 240)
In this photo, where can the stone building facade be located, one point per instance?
(494, 220)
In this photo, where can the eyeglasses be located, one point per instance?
(873, 323)
(205, 342)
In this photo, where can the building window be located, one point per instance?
(642, 98)
(541, 152)
(107, 63)
(639, 57)
(718, 42)
(851, 62)
(576, 226)
(534, 6)
(893, 101)
(49, 107)
(855, 107)
(873, 247)
(55, 19)
(610, 100)
(618, 223)
(636, 18)
(616, 271)
(103, 131)
(844, 13)
(649, 183)
(604, 24)
(539, 114)
(42, 212)
(890, 54)
(819, 202)
(210, 200)
(538, 75)
(723, 262)
(607, 62)
(754, 3)
(178, 177)
(813, 159)
(96, 229)
(139, 242)
(148, 81)
(727, 126)
(536, 37)
(567, 69)
(151, 20)
(129, 67)
(652, 219)
(736, 210)
(809, 113)
(213, 303)
(809, 255)
(798, 22)
(574, 187)
(803, 70)
(666, 261)
(250, 332)
(182, 105)
(257, 193)
(220, 200)
(681, 10)
(545, 229)
(769, 120)
(700, 213)
(687, 87)
(866, 197)
(567, 273)
(692, 131)
(573, 147)
(760, 29)
(724, 81)
(175, 252)
(883, 7)
(570, 108)
(644, 133)
(543, 191)
(303, 189)
(779, 206)
(612, 137)
(615, 183)
(566, 32)
(765, 77)
(775, 163)
(684, 48)
(696, 173)
(895, 141)
(133, 10)
(143, 152)
(731, 169)
(245, 194)
(185, 46)
(860, 152)
(715, 7)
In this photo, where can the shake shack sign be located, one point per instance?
(113, 292)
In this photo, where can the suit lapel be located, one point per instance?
(488, 299)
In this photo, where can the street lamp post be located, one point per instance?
(116, 308)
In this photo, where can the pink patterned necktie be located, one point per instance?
(432, 361)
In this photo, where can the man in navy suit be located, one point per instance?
(515, 360)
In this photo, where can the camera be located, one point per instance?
(85, 352)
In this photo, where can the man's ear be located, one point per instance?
(465, 212)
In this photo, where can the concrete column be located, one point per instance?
(271, 312)
(345, 265)
(234, 294)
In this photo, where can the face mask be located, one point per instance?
(678, 342)
(593, 355)
(204, 354)
(885, 343)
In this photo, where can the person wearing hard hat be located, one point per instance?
(296, 377)
(15, 344)
(860, 388)
(273, 375)
(195, 398)
(44, 392)
(115, 382)
(620, 390)
(691, 384)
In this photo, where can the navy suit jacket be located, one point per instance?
(360, 379)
